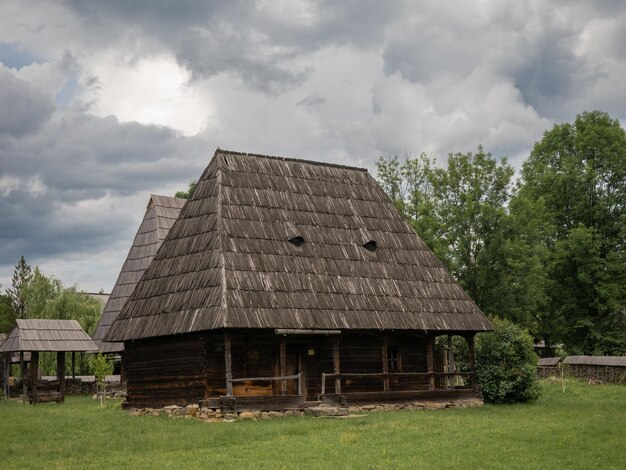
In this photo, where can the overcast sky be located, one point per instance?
(105, 102)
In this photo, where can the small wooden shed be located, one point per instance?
(287, 281)
(41, 335)
(549, 367)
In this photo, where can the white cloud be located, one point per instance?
(151, 90)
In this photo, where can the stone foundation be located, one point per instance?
(216, 415)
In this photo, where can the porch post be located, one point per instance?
(22, 366)
(23, 376)
(336, 366)
(451, 365)
(73, 364)
(228, 363)
(471, 352)
(7, 373)
(61, 373)
(430, 360)
(385, 363)
(34, 374)
(122, 370)
(283, 364)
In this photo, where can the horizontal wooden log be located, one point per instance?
(357, 398)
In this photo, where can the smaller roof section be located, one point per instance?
(48, 335)
(548, 361)
(615, 361)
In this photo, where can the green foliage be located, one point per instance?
(190, 189)
(569, 245)
(101, 368)
(549, 253)
(506, 364)
(22, 276)
(44, 296)
(458, 211)
(7, 314)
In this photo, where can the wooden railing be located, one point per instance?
(388, 375)
(282, 379)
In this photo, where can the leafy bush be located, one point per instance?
(102, 367)
(506, 364)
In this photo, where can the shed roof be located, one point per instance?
(14, 357)
(548, 361)
(159, 217)
(48, 335)
(616, 361)
(227, 261)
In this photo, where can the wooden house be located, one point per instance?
(160, 214)
(287, 281)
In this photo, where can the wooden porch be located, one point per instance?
(349, 387)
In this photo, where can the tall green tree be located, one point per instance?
(22, 276)
(576, 175)
(470, 198)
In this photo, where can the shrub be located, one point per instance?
(506, 364)
(102, 367)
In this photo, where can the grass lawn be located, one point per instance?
(585, 427)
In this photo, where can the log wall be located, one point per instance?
(170, 370)
(189, 368)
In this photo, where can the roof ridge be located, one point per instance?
(291, 159)
(220, 242)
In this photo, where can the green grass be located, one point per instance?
(585, 427)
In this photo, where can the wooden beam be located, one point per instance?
(336, 365)
(7, 373)
(122, 369)
(471, 353)
(61, 374)
(73, 364)
(228, 361)
(34, 375)
(430, 360)
(385, 363)
(22, 365)
(451, 364)
(283, 364)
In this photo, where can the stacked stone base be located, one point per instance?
(216, 415)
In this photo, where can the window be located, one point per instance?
(394, 364)
(370, 245)
(297, 241)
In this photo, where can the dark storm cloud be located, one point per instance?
(50, 165)
(23, 107)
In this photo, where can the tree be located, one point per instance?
(459, 212)
(22, 276)
(470, 198)
(506, 364)
(190, 189)
(576, 178)
(7, 314)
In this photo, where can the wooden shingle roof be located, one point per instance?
(548, 361)
(48, 335)
(227, 261)
(160, 215)
(614, 361)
